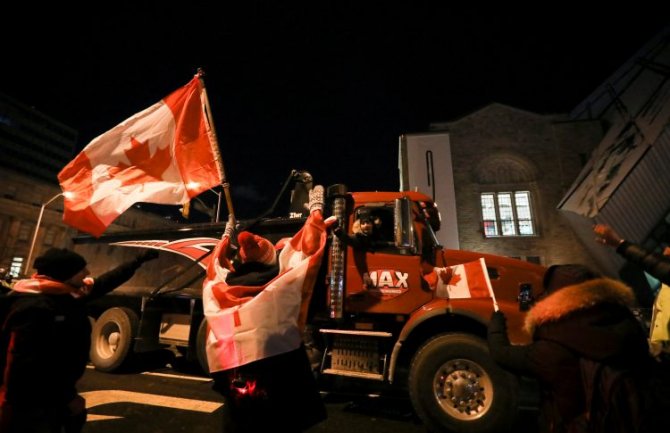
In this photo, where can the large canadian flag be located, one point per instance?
(165, 154)
(249, 323)
(467, 280)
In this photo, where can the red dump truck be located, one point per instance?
(397, 335)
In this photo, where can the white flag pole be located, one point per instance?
(215, 149)
(488, 284)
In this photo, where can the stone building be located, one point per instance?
(20, 205)
(509, 169)
(532, 186)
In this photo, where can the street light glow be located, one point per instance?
(66, 194)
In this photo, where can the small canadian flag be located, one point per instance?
(466, 280)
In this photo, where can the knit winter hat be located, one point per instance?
(365, 215)
(254, 248)
(59, 264)
(559, 276)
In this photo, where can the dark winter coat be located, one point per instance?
(278, 393)
(655, 264)
(46, 340)
(591, 320)
(361, 241)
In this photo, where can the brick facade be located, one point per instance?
(20, 203)
(501, 148)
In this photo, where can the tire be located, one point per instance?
(112, 339)
(455, 386)
(201, 343)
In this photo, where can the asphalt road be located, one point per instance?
(159, 397)
(166, 400)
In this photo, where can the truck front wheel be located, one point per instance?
(112, 338)
(455, 386)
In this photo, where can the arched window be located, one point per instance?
(507, 213)
(505, 198)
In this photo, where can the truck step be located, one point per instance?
(357, 374)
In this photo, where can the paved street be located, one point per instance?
(164, 400)
(158, 397)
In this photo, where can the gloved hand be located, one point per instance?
(336, 227)
(149, 254)
(498, 323)
(230, 229)
(367, 281)
(315, 199)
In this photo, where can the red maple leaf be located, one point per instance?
(455, 279)
(449, 278)
(144, 167)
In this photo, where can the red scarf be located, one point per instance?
(41, 284)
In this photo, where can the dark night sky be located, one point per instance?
(326, 88)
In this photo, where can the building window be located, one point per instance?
(507, 214)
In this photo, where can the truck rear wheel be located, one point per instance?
(112, 338)
(455, 386)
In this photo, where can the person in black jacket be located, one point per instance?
(365, 234)
(365, 237)
(656, 264)
(580, 315)
(45, 341)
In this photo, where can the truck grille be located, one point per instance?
(357, 354)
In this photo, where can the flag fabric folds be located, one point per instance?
(467, 280)
(165, 154)
(249, 323)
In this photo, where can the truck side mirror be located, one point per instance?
(525, 297)
(403, 227)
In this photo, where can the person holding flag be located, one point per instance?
(255, 351)
(580, 315)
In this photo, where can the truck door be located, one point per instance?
(393, 283)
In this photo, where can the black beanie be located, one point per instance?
(365, 214)
(59, 263)
(559, 276)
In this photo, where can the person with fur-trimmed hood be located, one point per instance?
(45, 341)
(579, 315)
